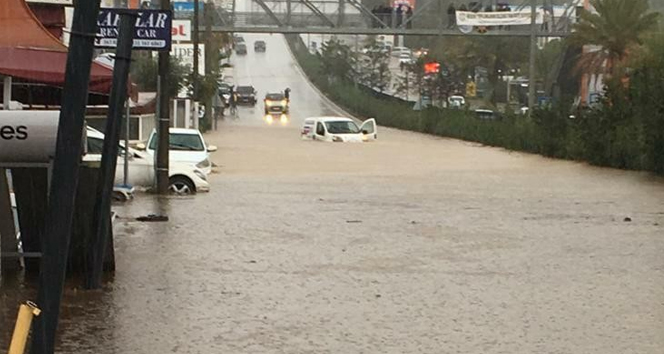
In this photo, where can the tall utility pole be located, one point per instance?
(164, 121)
(109, 157)
(64, 182)
(211, 56)
(532, 76)
(196, 43)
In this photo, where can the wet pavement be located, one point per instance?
(411, 244)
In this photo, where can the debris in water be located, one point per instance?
(153, 217)
(353, 221)
(627, 219)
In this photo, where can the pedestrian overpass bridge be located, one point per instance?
(352, 17)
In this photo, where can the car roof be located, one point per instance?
(332, 119)
(183, 131)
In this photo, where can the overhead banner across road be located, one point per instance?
(516, 18)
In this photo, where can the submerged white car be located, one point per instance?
(186, 146)
(339, 129)
(183, 178)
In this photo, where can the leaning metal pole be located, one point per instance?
(163, 119)
(102, 209)
(59, 216)
(532, 76)
(195, 38)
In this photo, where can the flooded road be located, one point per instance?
(412, 244)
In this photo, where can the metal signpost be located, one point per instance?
(138, 29)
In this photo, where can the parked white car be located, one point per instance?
(456, 101)
(406, 58)
(338, 129)
(183, 178)
(398, 51)
(186, 146)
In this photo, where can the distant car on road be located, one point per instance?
(421, 52)
(241, 49)
(398, 51)
(186, 146)
(338, 129)
(406, 58)
(487, 114)
(238, 39)
(456, 101)
(246, 95)
(225, 92)
(275, 103)
(260, 46)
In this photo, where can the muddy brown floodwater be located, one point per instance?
(412, 244)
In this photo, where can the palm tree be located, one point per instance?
(616, 29)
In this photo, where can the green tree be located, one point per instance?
(337, 60)
(145, 71)
(492, 53)
(616, 29)
(375, 71)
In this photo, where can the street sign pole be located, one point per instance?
(102, 209)
(163, 116)
(532, 77)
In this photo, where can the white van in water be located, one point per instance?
(338, 129)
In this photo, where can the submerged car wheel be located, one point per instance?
(181, 185)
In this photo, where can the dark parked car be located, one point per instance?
(241, 49)
(259, 46)
(487, 114)
(225, 92)
(246, 95)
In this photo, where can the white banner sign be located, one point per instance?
(28, 136)
(181, 30)
(516, 18)
(185, 52)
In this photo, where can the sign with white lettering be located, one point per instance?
(153, 29)
(181, 30)
(27, 136)
(185, 53)
(515, 18)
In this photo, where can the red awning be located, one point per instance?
(48, 67)
(29, 52)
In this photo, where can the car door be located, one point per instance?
(141, 169)
(369, 129)
(319, 131)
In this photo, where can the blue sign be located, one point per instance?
(153, 29)
(186, 6)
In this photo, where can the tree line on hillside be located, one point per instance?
(625, 129)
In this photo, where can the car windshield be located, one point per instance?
(342, 127)
(274, 96)
(245, 90)
(187, 142)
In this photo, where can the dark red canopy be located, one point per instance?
(29, 52)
